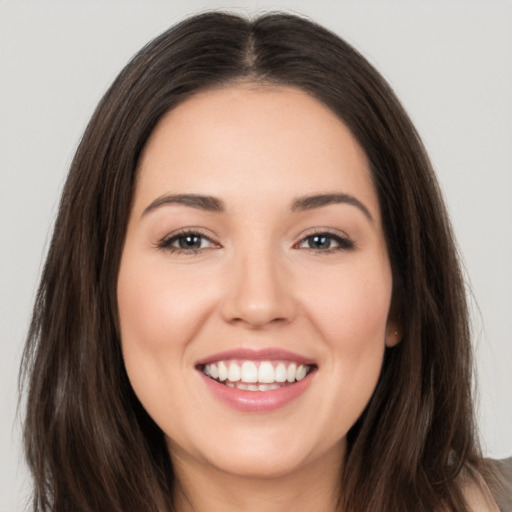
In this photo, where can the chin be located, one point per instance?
(260, 454)
(257, 465)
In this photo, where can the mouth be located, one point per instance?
(256, 375)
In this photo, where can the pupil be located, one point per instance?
(190, 242)
(320, 242)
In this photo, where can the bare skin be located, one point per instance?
(255, 264)
(258, 278)
(201, 490)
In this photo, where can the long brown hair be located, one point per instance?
(89, 443)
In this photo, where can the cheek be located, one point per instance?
(351, 317)
(159, 314)
(158, 309)
(352, 309)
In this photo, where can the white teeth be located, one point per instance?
(249, 372)
(214, 371)
(301, 372)
(223, 371)
(280, 373)
(292, 369)
(233, 372)
(266, 372)
(254, 376)
(253, 387)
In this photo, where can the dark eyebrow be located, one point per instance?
(317, 201)
(208, 203)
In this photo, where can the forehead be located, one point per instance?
(249, 140)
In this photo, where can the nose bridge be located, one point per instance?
(258, 293)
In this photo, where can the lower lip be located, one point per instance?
(258, 401)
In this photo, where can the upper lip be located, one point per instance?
(265, 354)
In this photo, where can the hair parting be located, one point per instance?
(89, 442)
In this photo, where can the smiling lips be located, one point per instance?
(256, 375)
(257, 381)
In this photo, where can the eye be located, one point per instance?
(326, 242)
(187, 242)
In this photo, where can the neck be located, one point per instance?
(201, 488)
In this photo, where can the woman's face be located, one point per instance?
(255, 285)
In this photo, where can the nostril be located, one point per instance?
(258, 323)
(257, 298)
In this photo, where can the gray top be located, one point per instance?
(502, 491)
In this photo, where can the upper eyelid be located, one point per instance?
(343, 239)
(334, 233)
(324, 231)
(166, 241)
(188, 231)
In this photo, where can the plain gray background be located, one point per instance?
(449, 62)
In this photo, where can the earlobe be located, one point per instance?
(394, 328)
(393, 334)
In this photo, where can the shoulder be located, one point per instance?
(500, 483)
(492, 493)
(479, 497)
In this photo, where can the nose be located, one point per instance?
(259, 292)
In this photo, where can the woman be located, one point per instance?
(252, 296)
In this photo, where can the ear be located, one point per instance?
(393, 333)
(394, 327)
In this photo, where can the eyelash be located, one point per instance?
(343, 242)
(167, 242)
